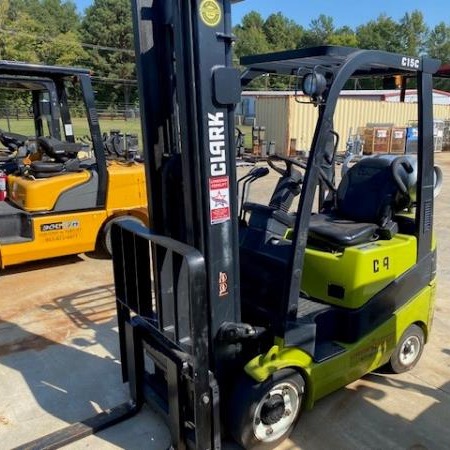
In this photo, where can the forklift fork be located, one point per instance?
(170, 332)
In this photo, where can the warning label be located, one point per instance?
(219, 199)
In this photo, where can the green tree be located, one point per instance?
(256, 35)
(252, 20)
(381, 34)
(4, 9)
(413, 33)
(344, 36)
(438, 44)
(107, 23)
(60, 17)
(54, 40)
(250, 35)
(320, 32)
(282, 33)
(22, 42)
(64, 50)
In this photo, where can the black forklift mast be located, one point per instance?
(186, 316)
(188, 93)
(96, 136)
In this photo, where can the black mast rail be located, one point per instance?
(188, 91)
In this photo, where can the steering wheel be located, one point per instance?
(294, 162)
(289, 162)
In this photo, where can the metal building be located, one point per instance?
(290, 122)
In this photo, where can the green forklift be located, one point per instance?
(232, 322)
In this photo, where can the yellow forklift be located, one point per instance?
(58, 202)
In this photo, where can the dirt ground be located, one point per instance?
(59, 364)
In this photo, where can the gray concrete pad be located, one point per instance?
(59, 365)
(59, 355)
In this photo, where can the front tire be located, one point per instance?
(408, 350)
(262, 415)
(105, 234)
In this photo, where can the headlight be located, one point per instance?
(314, 84)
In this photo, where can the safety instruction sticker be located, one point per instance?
(68, 129)
(219, 199)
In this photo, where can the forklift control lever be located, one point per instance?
(259, 172)
(231, 332)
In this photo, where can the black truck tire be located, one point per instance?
(105, 234)
(408, 350)
(262, 415)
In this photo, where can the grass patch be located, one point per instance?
(80, 126)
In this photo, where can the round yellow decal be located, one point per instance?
(210, 13)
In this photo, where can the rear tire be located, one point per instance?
(262, 415)
(105, 234)
(408, 350)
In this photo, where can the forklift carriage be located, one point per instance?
(234, 322)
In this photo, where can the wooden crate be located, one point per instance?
(376, 140)
(398, 140)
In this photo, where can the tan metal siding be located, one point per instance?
(273, 113)
(303, 122)
(287, 119)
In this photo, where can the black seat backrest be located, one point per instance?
(58, 150)
(12, 140)
(369, 193)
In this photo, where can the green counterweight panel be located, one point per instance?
(351, 277)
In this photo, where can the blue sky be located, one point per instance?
(344, 12)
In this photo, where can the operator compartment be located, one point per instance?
(356, 247)
(54, 180)
(368, 239)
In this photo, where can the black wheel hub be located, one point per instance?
(272, 410)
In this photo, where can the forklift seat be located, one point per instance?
(368, 198)
(63, 158)
(327, 230)
(12, 140)
(58, 150)
(47, 169)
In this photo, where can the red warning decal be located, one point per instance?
(219, 199)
